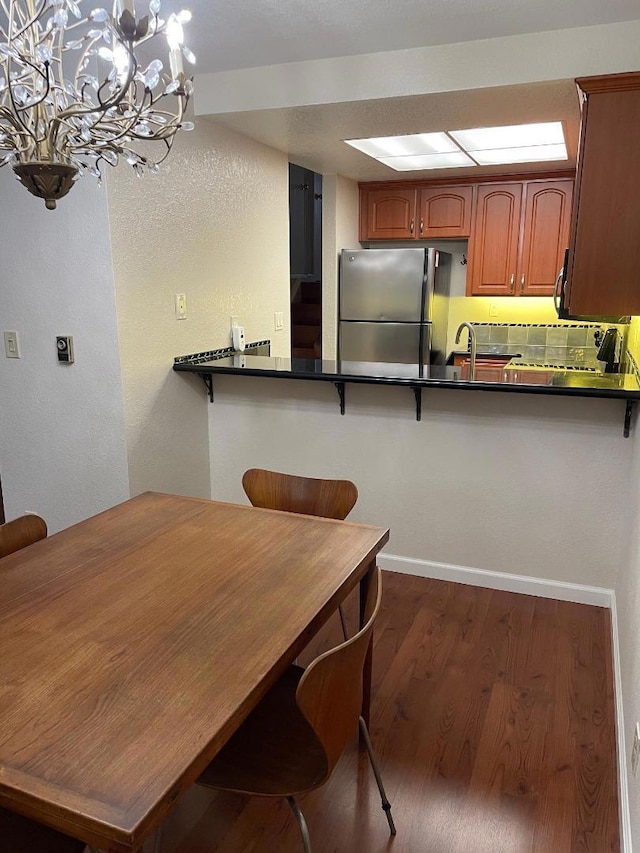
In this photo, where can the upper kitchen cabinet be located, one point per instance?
(415, 212)
(520, 232)
(604, 259)
(493, 251)
(388, 214)
(445, 212)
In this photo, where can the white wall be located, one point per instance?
(62, 442)
(212, 224)
(511, 483)
(628, 608)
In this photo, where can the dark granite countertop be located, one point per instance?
(515, 378)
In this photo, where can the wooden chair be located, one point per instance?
(292, 740)
(18, 834)
(21, 532)
(305, 495)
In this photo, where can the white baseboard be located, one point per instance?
(578, 593)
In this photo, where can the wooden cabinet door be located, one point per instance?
(544, 237)
(445, 212)
(604, 261)
(389, 214)
(493, 248)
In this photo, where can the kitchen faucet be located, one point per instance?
(472, 346)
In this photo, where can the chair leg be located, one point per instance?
(158, 839)
(386, 805)
(343, 622)
(295, 808)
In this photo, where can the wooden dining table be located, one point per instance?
(133, 644)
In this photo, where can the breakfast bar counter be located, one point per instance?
(514, 377)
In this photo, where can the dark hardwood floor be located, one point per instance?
(493, 718)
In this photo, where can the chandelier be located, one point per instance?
(74, 95)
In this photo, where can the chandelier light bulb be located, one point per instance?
(75, 94)
(175, 32)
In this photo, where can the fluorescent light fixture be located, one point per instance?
(523, 154)
(481, 146)
(450, 160)
(398, 146)
(512, 136)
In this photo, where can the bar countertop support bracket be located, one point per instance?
(627, 418)
(417, 391)
(207, 378)
(340, 389)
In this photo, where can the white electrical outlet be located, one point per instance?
(635, 752)
(181, 306)
(237, 337)
(278, 321)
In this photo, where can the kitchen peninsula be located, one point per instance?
(514, 377)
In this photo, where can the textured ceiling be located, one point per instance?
(236, 34)
(228, 34)
(313, 135)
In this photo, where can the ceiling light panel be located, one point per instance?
(522, 154)
(398, 146)
(452, 159)
(511, 136)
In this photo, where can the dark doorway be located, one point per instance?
(305, 261)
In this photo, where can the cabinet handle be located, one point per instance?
(421, 226)
(558, 292)
(512, 282)
(522, 284)
(411, 227)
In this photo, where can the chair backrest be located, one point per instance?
(329, 693)
(306, 495)
(21, 532)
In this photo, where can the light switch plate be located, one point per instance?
(11, 345)
(278, 321)
(181, 306)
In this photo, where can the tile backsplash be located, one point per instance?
(538, 343)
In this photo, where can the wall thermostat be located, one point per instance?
(64, 344)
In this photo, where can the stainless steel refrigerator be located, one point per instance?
(393, 305)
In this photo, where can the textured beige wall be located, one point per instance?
(340, 204)
(213, 224)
